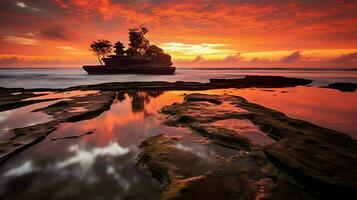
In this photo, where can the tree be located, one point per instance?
(153, 51)
(119, 48)
(138, 43)
(101, 48)
(158, 57)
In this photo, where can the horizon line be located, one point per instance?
(214, 68)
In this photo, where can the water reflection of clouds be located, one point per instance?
(111, 171)
(86, 158)
(21, 117)
(102, 160)
(25, 168)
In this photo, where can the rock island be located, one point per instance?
(139, 58)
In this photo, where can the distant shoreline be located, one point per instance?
(206, 68)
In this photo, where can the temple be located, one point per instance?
(139, 58)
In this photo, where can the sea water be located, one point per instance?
(62, 78)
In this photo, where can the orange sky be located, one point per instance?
(203, 33)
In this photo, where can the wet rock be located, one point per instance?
(198, 97)
(92, 105)
(344, 87)
(73, 136)
(222, 136)
(184, 175)
(25, 137)
(248, 81)
(12, 98)
(319, 160)
(262, 81)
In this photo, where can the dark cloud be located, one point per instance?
(346, 59)
(20, 61)
(10, 60)
(57, 32)
(293, 57)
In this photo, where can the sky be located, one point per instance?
(201, 33)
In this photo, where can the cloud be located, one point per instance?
(73, 50)
(57, 32)
(187, 28)
(209, 50)
(9, 61)
(69, 48)
(293, 57)
(21, 40)
(34, 61)
(198, 58)
(346, 58)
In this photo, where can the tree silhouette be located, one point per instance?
(138, 43)
(101, 48)
(158, 57)
(153, 51)
(119, 48)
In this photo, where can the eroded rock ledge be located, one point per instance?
(300, 161)
(21, 138)
(344, 87)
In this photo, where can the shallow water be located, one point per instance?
(23, 116)
(325, 107)
(101, 164)
(62, 78)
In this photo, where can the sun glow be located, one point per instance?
(191, 51)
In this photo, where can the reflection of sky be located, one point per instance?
(25, 168)
(325, 107)
(102, 163)
(23, 116)
(103, 160)
(86, 158)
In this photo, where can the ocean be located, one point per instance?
(62, 78)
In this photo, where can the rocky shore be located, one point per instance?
(21, 138)
(298, 160)
(344, 87)
(276, 157)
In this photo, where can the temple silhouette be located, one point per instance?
(139, 58)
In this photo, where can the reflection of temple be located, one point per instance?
(121, 96)
(139, 98)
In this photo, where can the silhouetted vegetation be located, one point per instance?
(158, 56)
(139, 48)
(101, 48)
(138, 43)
